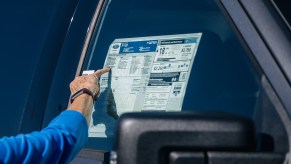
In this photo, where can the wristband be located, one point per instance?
(82, 91)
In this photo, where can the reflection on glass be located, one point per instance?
(222, 78)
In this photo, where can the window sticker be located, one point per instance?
(147, 74)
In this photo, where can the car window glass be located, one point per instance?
(284, 6)
(222, 78)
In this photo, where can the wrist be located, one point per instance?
(83, 97)
(83, 104)
(81, 92)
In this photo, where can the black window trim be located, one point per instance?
(251, 35)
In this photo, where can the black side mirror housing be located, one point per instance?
(156, 138)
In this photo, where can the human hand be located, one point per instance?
(83, 103)
(88, 81)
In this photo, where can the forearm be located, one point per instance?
(83, 104)
(58, 143)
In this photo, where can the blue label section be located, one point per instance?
(179, 41)
(191, 40)
(138, 47)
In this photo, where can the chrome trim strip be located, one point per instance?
(89, 34)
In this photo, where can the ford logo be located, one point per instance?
(115, 46)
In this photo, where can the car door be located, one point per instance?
(241, 66)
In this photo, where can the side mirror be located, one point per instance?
(157, 138)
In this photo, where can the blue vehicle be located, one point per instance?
(236, 105)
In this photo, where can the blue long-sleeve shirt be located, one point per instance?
(57, 143)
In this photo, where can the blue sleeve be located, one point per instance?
(57, 143)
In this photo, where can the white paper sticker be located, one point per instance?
(147, 74)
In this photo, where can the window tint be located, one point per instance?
(221, 80)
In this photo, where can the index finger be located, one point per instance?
(99, 72)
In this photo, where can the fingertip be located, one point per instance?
(107, 68)
(99, 72)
